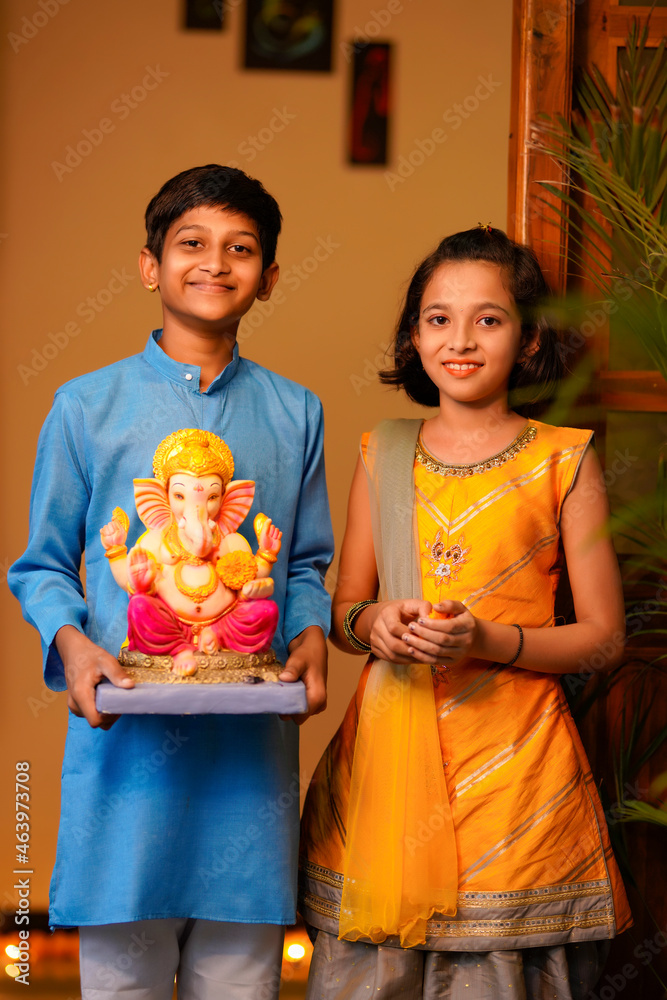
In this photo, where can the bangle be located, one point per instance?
(510, 663)
(348, 620)
(116, 552)
(268, 557)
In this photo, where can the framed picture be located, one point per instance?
(204, 15)
(370, 103)
(289, 34)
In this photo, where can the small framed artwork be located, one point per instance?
(204, 15)
(289, 34)
(370, 103)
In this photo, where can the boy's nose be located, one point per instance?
(216, 262)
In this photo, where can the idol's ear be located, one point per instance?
(236, 503)
(150, 499)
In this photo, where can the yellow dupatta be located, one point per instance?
(400, 862)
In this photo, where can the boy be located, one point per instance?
(178, 835)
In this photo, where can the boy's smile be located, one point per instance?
(211, 270)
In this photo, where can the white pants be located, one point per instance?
(210, 959)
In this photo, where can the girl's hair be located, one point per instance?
(531, 381)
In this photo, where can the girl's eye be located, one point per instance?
(489, 321)
(438, 320)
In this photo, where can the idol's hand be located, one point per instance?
(142, 569)
(270, 537)
(258, 589)
(112, 534)
(445, 639)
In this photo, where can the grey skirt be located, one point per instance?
(345, 970)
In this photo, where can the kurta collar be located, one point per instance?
(185, 375)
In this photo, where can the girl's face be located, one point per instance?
(469, 333)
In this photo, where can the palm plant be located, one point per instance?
(613, 156)
(614, 160)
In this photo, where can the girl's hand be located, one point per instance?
(446, 639)
(391, 619)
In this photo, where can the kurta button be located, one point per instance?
(188, 376)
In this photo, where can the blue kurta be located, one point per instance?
(173, 816)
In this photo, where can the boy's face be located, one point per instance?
(211, 269)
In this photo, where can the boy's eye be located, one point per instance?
(240, 248)
(191, 243)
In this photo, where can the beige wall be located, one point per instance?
(64, 236)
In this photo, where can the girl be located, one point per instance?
(453, 843)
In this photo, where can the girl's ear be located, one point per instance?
(414, 337)
(149, 270)
(531, 346)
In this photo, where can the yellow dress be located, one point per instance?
(534, 863)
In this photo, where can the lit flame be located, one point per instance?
(12, 971)
(12, 951)
(295, 952)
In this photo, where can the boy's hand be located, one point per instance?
(308, 662)
(85, 666)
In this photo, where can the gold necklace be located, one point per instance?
(176, 548)
(196, 594)
(433, 464)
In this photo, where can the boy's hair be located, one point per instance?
(532, 380)
(224, 187)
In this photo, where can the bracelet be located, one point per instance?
(267, 556)
(116, 552)
(350, 615)
(510, 663)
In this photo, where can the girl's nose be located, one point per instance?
(461, 337)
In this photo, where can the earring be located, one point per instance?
(152, 288)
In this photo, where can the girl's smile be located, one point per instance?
(461, 369)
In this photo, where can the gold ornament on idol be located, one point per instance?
(196, 594)
(194, 452)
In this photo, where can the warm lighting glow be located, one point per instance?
(12, 951)
(295, 952)
(12, 971)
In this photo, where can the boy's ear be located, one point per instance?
(148, 269)
(267, 281)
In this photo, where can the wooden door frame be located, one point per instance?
(542, 69)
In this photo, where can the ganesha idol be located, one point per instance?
(195, 586)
